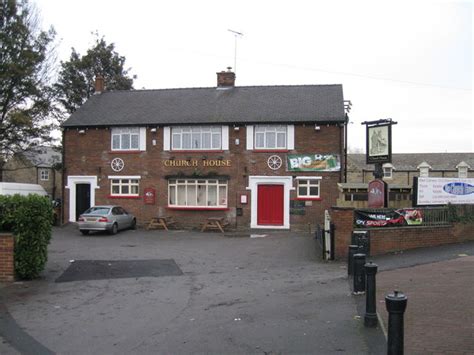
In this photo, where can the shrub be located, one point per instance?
(29, 219)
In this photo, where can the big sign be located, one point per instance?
(313, 162)
(440, 191)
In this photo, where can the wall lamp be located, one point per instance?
(82, 131)
(153, 130)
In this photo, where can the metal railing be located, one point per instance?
(435, 216)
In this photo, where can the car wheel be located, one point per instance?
(134, 224)
(84, 232)
(114, 229)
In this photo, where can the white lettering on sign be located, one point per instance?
(300, 161)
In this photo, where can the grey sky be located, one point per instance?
(410, 61)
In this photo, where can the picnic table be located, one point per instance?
(218, 223)
(161, 222)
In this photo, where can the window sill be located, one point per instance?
(196, 151)
(125, 197)
(270, 150)
(308, 198)
(198, 208)
(126, 151)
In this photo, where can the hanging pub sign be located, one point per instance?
(313, 162)
(379, 141)
(149, 196)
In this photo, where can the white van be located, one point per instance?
(12, 188)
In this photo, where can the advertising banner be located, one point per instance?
(441, 191)
(313, 162)
(389, 218)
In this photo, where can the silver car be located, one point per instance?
(105, 218)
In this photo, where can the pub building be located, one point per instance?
(262, 157)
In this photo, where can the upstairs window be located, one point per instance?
(463, 169)
(462, 172)
(196, 138)
(270, 137)
(424, 169)
(388, 171)
(44, 174)
(129, 138)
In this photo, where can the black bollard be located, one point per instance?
(359, 274)
(370, 319)
(396, 304)
(350, 259)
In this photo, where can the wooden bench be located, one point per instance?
(162, 222)
(215, 223)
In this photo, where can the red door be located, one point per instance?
(270, 205)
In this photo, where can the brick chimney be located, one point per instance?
(226, 79)
(99, 84)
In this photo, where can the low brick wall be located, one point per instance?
(393, 239)
(7, 269)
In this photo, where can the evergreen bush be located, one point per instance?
(29, 219)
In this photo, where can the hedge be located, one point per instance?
(29, 219)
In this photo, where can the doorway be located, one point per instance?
(270, 205)
(83, 198)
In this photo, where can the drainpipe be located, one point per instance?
(63, 175)
(345, 147)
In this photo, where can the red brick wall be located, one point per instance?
(90, 154)
(343, 220)
(7, 271)
(387, 240)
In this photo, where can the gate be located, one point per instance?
(325, 238)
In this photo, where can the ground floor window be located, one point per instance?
(124, 186)
(308, 187)
(197, 193)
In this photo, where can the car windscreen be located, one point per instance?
(97, 210)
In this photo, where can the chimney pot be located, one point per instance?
(99, 84)
(226, 79)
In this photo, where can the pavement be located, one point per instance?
(236, 295)
(439, 285)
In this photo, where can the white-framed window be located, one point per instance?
(270, 137)
(463, 169)
(124, 185)
(462, 172)
(196, 138)
(387, 171)
(308, 187)
(129, 138)
(200, 193)
(424, 169)
(44, 174)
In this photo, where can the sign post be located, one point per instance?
(378, 152)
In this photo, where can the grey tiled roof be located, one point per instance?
(410, 161)
(44, 157)
(248, 104)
